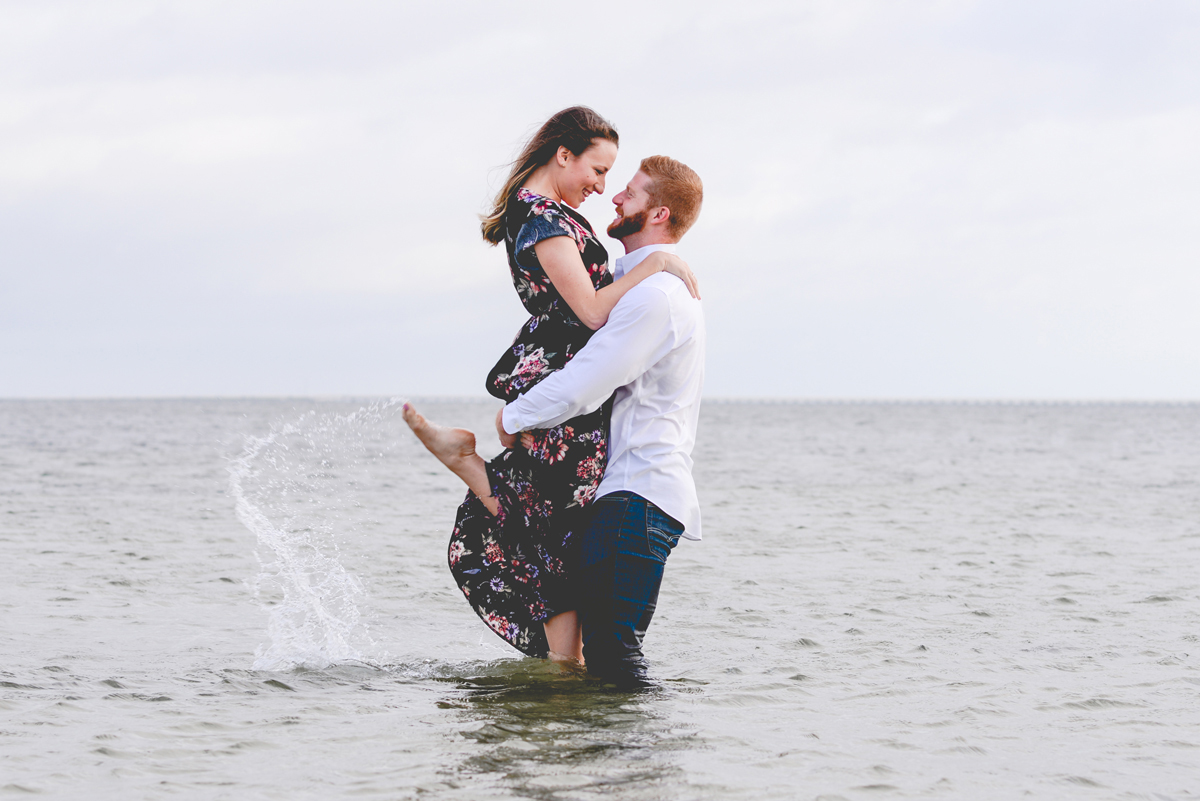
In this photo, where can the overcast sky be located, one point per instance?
(957, 199)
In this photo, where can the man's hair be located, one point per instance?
(677, 186)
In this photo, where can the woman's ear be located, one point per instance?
(563, 156)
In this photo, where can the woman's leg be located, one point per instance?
(455, 448)
(565, 637)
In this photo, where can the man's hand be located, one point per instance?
(506, 439)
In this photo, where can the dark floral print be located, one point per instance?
(512, 567)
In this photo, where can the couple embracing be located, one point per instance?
(561, 542)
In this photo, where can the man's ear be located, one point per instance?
(660, 216)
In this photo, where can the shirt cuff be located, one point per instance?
(509, 419)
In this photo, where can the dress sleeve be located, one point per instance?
(547, 223)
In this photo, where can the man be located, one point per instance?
(651, 352)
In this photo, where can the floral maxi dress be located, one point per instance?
(513, 567)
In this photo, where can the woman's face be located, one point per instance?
(583, 175)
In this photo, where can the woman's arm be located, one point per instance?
(560, 259)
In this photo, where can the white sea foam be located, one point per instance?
(295, 489)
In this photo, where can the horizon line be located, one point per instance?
(764, 400)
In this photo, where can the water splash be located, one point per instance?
(295, 490)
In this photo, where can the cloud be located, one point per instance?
(930, 198)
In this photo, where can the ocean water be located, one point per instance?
(248, 599)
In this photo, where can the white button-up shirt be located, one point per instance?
(651, 351)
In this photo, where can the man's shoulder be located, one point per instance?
(662, 297)
(662, 289)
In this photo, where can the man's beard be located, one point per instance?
(626, 226)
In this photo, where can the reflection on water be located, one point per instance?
(546, 734)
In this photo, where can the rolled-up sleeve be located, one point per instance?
(638, 333)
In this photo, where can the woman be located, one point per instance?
(512, 542)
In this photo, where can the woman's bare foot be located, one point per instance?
(452, 446)
(455, 448)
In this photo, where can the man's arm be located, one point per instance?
(639, 333)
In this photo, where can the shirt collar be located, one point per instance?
(630, 260)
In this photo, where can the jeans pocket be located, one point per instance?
(662, 533)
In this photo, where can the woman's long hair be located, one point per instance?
(573, 128)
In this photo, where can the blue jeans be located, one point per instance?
(623, 552)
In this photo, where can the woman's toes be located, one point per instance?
(412, 417)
